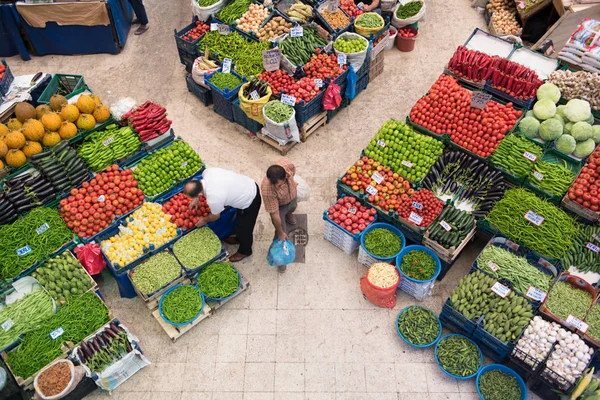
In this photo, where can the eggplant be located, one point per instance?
(45, 193)
(110, 332)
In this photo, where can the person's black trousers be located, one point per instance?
(246, 221)
(140, 11)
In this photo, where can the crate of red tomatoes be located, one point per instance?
(6, 78)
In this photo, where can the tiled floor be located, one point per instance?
(307, 334)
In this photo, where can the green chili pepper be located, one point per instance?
(458, 355)
(225, 81)
(419, 325)
(218, 280)
(382, 243)
(497, 385)
(418, 265)
(182, 304)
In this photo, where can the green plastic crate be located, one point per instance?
(66, 84)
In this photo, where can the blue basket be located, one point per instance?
(491, 346)
(448, 373)
(182, 44)
(228, 93)
(421, 346)
(186, 59)
(7, 79)
(390, 228)
(506, 370)
(223, 298)
(305, 111)
(202, 93)
(240, 118)
(407, 249)
(455, 321)
(179, 323)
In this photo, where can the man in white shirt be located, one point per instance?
(223, 188)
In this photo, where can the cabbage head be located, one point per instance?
(560, 110)
(577, 110)
(529, 127)
(559, 119)
(548, 91)
(590, 120)
(565, 144)
(596, 133)
(529, 113)
(544, 109)
(568, 127)
(551, 129)
(585, 148)
(581, 131)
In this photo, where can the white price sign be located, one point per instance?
(352, 210)
(319, 83)
(592, 247)
(101, 198)
(377, 177)
(417, 205)
(254, 95)
(381, 143)
(297, 31)
(23, 250)
(415, 218)
(530, 156)
(108, 141)
(538, 176)
(7, 325)
(512, 245)
(341, 59)
(57, 332)
(577, 323)
(493, 266)
(500, 289)
(287, 99)
(479, 100)
(271, 59)
(360, 5)
(407, 164)
(332, 6)
(371, 190)
(42, 228)
(223, 29)
(446, 226)
(214, 26)
(535, 294)
(226, 65)
(534, 218)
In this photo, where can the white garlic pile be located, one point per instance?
(538, 338)
(578, 85)
(570, 357)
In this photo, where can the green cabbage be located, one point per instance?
(548, 91)
(577, 110)
(560, 110)
(529, 113)
(590, 119)
(544, 109)
(581, 131)
(596, 130)
(551, 129)
(568, 127)
(585, 148)
(559, 119)
(565, 144)
(529, 127)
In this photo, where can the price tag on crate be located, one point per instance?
(287, 99)
(254, 95)
(577, 323)
(223, 29)
(512, 245)
(101, 198)
(319, 83)
(7, 325)
(297, 31)
(500, 289)
(479, 100)
(407, 164)
(446, 226)
(226, 65)
(360, 5)
(342, 59)
(535, 294)
(184, 164)
(544, 263)
(415, 218)
(538, 176)
(534, 218)
(271, 59)
(417, 205)
(592, 247)
(24, 250)
(381, 143)
(371, 190)
(108, 141)
(333, 6)
(214, 26)
(352, 210)
(493, 266)
(377, 177)
(42, 228)
(530, 156)
(57, 333)
(595, 237)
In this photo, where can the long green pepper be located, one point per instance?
(233, 11)
(458, 355)
(552, 178)
(497, 385)
(382, 243)
(510, 155)
(218, 280)
(182, 304)
(419, 325)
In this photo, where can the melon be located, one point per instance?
(14, 140)
(24, 111)
(57, 102)
(14, 124)
(3, 148)
(67, 130)
(86, 104)
(70, 112)
(101, 114)
(33, 130)
(51, 139)
(51, 121)
(3, 130)
(86, 122)
(96, 99)
(15, 158)
(32, 148)
(41, 110)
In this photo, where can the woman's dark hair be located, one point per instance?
(275, 173)
(193, 189)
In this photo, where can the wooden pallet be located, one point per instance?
(271, 142)
(313, 123)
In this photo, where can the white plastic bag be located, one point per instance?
(204, 13)
(198, 74)
(77, 374)
(354, 59)
(122, 107)
(401, 23)
(303, 190)
(284, 132)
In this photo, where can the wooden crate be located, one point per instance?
(273, 143)
(448, 255)
(312, 125)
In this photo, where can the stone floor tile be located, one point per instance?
(291, 297)
(168, 377)
(319, 377)
(259, 377)
(228, 377)
(350, 377)
(467, 386)
(439, 382)
(203, 374)
(205, 350)
(234, 322)
(380, 377)
(471, 396)
(319, 396)
(289, 396)
(289, 377)
(366, 396)
(444, 396)
(290, 322)
(196, 396)
(231, 348)
(290, 348)
(228, 396)
(262, 322)
(411, 378)
(261, 348)
(258, 395)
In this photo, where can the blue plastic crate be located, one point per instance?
(305, 111)
(7, 79)
(456, 322)
(202, 93)
(240, 117)
(186, 59)
(228, 93)
(491, 346)
(182, 44)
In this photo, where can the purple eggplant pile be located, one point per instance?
(23, 193)
(104, 349)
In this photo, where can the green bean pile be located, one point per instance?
(552, 238)
(233, 11)
(218, 280)
(497, 385)
(383, 243)
(225, 81)
(516, 269)
(458, 355)
(26, 314)
(79, 318)
(418, 265)
(580, 255)
(155, 273)
(197, 248)
(564, 300)
(555, 178)
(278, 112)
(24, 232)
(593, 320)
(509, 155)
(419, 325)
(369, 20)
(246, 54)
(206, 3)
(409, 9)
(182, 304)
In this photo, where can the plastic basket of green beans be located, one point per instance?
(551, 177)
(570, 296)
(498, 382)
(380, 242)
(198, 248)
(226, 83)
(219, 281)
(181, 305)
(418, 326)
(458, 356)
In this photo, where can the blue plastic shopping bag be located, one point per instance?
(281, 253)
(351, 83)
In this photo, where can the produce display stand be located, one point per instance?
(283, 150)
(27, 383)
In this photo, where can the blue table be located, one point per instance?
(11, 42)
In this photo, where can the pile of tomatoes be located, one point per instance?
(447, 109)
(94, 206)
(348, 213)
(200, 29)
(421, 208)
(278, 80)
(178, 207)
(350, 8)
(323, 66)
(386, 189)
(2, 71)
(407, 32)
(303, 90)
(586, 187)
